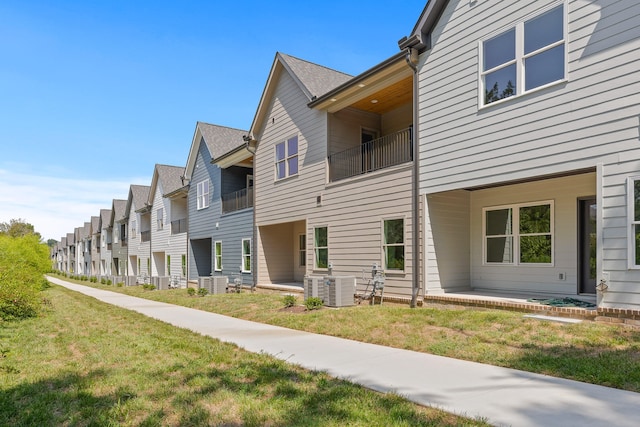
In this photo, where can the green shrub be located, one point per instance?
(109, 282)
(148, 287)
(191, 292)
(23, 262)
(289, 300)
(120, 284)
(103, 281)
(202, 292)
(313, 303)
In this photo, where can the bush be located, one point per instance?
(23, 262)
(191, 292)
(289, 300)
(313, 303)
(120, 284)
(148, 287)
(103, 281)
(109, 282)
(202, 292)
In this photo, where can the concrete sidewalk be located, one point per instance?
(503, 396)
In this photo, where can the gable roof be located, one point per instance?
(118, 212)
(71, 239)
(105, 215)
(218, 140)
(95, 225)
(313, 80)
(170, 179)
(138, 195)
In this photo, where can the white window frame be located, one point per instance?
(160, 218)
(316, 248)
(217, 264)
(302, 250)
(631, 247)
(246, 256)
(133, 229)
(520, 57)
(202, 196)
(287, 157)
(384, 245)
(515, 233)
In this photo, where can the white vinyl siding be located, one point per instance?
(203, 194)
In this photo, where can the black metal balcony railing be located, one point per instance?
(237, 200)
(145, 236)
(179, 226)
(390, 150)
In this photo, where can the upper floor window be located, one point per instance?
(133, 229)
(160, 218)
(528, 56)
(287, 158)
(202, 194)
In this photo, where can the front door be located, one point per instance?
(587, 210)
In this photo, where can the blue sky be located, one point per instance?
(94, 93)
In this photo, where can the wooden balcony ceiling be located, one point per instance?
(389, 98)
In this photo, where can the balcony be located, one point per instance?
(123, 242)
(179, 226)
(237, 200)
(390, 150)
(145, 236)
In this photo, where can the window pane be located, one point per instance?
(636, 200)
(637, 234)
(394, 257)
(293, 165)
(535, 249)
(292, 146)
(500, 84)
(205, 187)
(246, 247)
(543, 30)
(500, 49)
(545, 67)
(394, 231)
(303, 242)
(280, 151)
(500, 249)
(281, 170)
(322, 258)
(321, 237)
(498, 222)
(535, 219)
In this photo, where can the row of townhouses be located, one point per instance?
(498, 151)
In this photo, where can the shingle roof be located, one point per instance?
(140, 194)
(71, 239)
(170, 178)
(317, 79)
(119, 207)
(105, 216)
(220, 139)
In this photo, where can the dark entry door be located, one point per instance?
(587, 211)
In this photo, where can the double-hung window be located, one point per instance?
(393, 244)
(218, 256)
(525, 57)
(519, 234)
(287, 158)
(133, 229)
(302, 250)
(634, 220)
(321, 247)
(160, 219)
(202, 194)
(246, 255)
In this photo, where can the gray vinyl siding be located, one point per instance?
(565, 127)
(590, 121)
(231, 228)
(353, 211)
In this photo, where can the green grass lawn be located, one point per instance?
(596, 353)
(86, 363)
